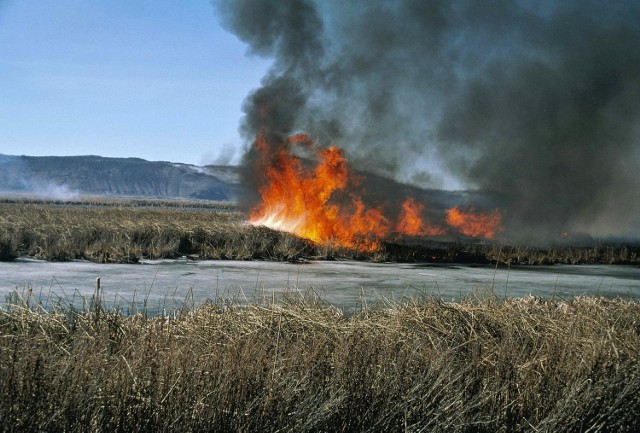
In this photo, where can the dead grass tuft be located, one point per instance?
(526, 364)
(128, 231)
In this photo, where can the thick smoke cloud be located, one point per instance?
(535, 103)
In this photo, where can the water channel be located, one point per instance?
(162, 285)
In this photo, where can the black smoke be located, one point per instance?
(533, 103)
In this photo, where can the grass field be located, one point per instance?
(477, 365)
(520, 365)
(121, 231)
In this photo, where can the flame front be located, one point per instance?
(411, 222)
(297, 200)
(321, 203)
(474, 224)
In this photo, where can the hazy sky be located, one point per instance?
(159, 80)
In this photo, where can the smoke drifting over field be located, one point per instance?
(534, 103)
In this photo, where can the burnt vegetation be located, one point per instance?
(127, 231)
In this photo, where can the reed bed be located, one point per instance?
(129, 231)
(478, 365)
(600, 252)
(127, 234)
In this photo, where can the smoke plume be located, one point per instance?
(533, 103)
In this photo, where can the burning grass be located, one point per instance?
(116, 232)
(326, 201)
(525, 364)
(128, 231)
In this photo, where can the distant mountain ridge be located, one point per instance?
(64, 177)
(67, 177)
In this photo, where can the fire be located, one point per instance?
(474, 224)
(298, 200)
(411, 223)
(322, 202)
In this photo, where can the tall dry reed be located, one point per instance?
(521, 365)
(128, 231)
(128, 234)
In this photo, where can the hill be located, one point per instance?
(70, 176)
(66, 177)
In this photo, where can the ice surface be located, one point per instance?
(165, 284)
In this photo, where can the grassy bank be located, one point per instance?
(475, 366)
(128, 231)
(126, 234)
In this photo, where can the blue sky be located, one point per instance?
(159, 80)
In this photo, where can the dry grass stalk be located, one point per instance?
(128, 234)
(526, 364)
(128, 231)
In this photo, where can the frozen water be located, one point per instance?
(167, 284)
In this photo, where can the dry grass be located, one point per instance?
(127, 234)
(600, 253)
(525, 364)
(127, 231)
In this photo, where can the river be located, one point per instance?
(163, 285)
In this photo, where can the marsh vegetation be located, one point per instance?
(479, 365)
(122, 233)
(102, 230)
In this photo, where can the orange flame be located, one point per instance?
(297, 200)
(321, 203)
(411, 223)
(474, 224)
